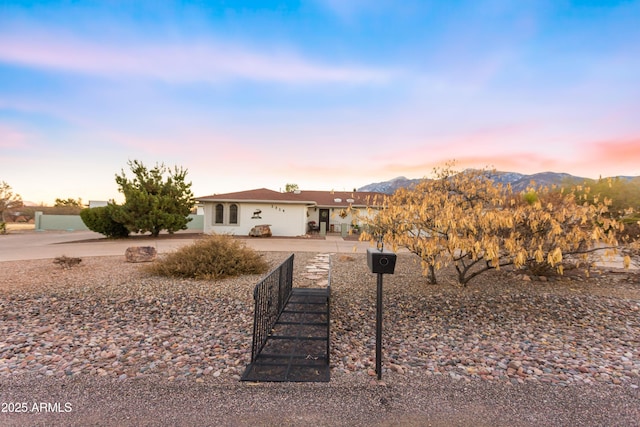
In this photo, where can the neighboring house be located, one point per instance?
(287, 214)
(98, 203)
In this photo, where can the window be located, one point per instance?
(233, 214)
(226, 214)
(219, 214)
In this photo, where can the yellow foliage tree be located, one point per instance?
(469, 221)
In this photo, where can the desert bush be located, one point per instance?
(67, 262)
(101, 221)
(468, 221)
(214, 257)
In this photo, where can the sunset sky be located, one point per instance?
(327, 94)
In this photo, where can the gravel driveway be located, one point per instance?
(403, 401)
(103, 343)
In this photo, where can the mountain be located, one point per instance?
(519, 182)
(545, 179)
(389, 187)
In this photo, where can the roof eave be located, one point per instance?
(261, 201)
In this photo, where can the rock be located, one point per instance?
(140, 254)
(396, 368)
(262, 230)
(515, 364)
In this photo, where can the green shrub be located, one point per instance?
(101, 221)
(214, 257)
(530, 197)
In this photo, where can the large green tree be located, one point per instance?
(156, 199)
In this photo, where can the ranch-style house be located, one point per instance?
(287, 214)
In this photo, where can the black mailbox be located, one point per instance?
(381, 262)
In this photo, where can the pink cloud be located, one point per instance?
(611, 157)
(508, 146)
(601, 158)
(523, 163)
(11, 138)
(620, 152)
(453, 142)
(200, 60)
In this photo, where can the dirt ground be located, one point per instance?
(350, 398)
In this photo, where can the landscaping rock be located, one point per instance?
(263, 230)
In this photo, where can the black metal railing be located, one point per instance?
(270, 296)
(329, 311)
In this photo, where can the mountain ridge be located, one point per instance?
(519, 182)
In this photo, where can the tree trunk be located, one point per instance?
(432, 275)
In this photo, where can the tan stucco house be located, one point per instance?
(287, 214)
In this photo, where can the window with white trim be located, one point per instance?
(218, 214)
(233, 214)
(226, 214)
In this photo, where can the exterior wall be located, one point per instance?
(336, 222)
(365, 213)
(74, 222)
(284, 219)
(196, 223)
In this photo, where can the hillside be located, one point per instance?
(518, 181)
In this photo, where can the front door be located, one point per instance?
(324, 218)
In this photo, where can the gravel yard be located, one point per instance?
(503, 351)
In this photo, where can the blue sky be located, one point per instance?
(328, 94)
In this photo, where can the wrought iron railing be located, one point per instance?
(270, 296)
(329, 311)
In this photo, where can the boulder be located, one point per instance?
(140, 254)
(260, 231)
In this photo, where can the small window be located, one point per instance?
(219, 215)
(233, 214)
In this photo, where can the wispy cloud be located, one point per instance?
(524, 162)
(182, 61)
(624, 153)
(601, 158)
(11, 138)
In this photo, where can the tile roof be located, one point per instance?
(316, 198)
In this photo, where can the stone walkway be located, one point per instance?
(317, 272)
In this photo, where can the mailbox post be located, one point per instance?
(380, 262)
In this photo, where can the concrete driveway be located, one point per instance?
(25, 245)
